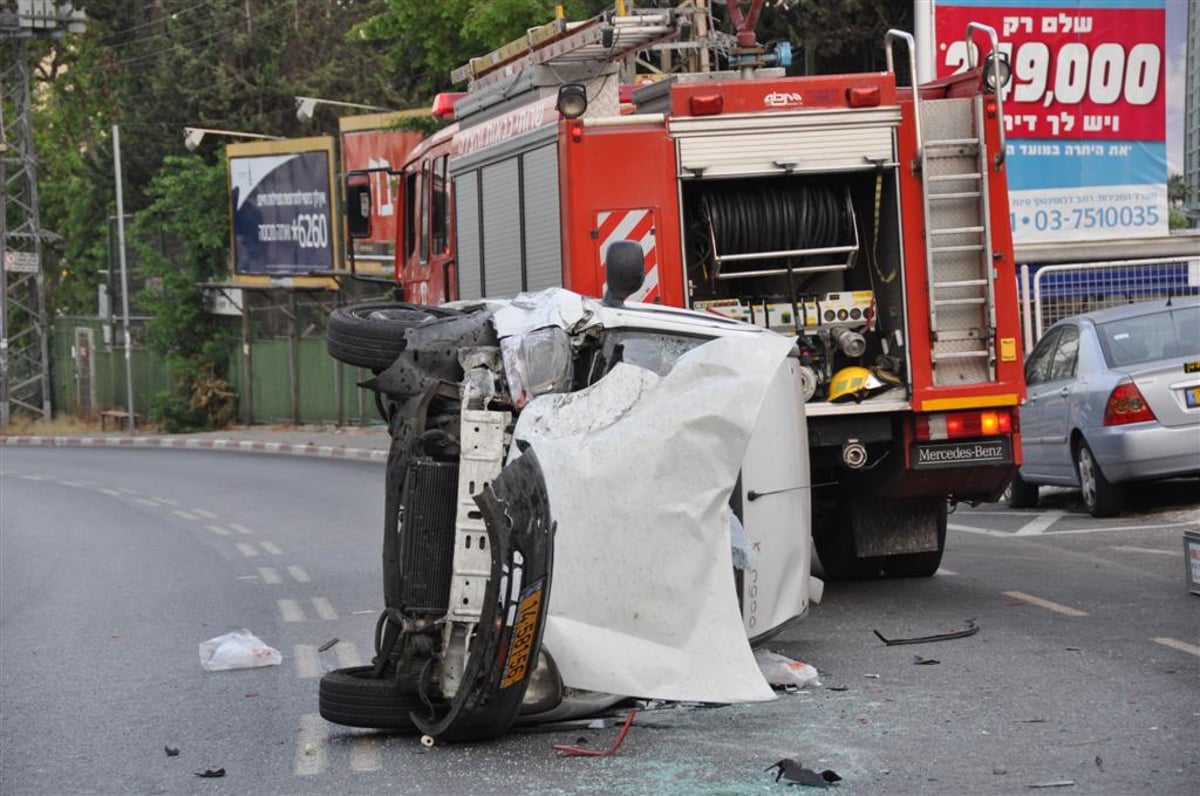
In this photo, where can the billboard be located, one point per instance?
(282, 205)
(1085, 111)
(371, 143)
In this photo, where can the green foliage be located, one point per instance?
(189, 210)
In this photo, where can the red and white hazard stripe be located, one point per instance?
(636, 225)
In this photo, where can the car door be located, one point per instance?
(1037, 373)
(1055, 412)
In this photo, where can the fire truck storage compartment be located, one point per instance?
(778, 247)
(507, 217)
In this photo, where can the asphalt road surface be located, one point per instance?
(115, 564)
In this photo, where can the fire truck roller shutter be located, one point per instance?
(543, 235)
(502, 268)
(466, 213)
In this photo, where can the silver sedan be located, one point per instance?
(1113, 397)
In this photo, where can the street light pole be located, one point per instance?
(116, 131)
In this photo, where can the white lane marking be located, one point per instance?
(109, 492)
(308, 665)
(366, 753)
(1065, 610)
(167, 501)
(290, 611)
(366, 611)
(146, 502)
(246, 550)
(1039, 523)
(1122, 528)
(347, 654)
(218, 530)
(1176, 644)
(208, 515)
(74, 483)
(271, 548)
(183, 514)
(324, 608)
(310, 746)
(36, 478)
(298, 574)
(269, 575)
(240, 528)
(127, 491)
(944, 571)
(971, 529)
(247, 577)
(1131, 549)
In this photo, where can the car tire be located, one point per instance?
(920, 565)
(1102, 497)
(1021, 493)
(352, 697)
(371, 334)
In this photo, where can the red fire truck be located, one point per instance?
(866, 219)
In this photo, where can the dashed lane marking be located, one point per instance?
(240, 528)
(218, 530)
(1122, 528)
(271, 548)
(208, 515)
(109, 492)
(1065, 610)
(944, 571)
(981, 531)
(298, 574)
(1176, 644)
(1039, 524)
(1131, 549)
(126, 490)
(347, 654)
(167, 501)
(324, 608)
(147, 502)
(366, 753)
(290, 611)
(308, 665)
(247, 550)
(183, 514)
(269, 575)
(76, 483)
(310, 746)
(32, 477)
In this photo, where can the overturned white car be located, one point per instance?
(585, 502)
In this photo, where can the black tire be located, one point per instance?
(1102, 498)
(920, 565)
(355, 699)
(1021, 493)
(371, 334)
(834, 539)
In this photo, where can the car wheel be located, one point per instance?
(1021, 493)
(371, 334)
(354, 698)
(920, 565)
(1102, 498)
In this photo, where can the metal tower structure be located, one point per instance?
(24, 327)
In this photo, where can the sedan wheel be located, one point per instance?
(1102, 498)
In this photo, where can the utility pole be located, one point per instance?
(24, 326)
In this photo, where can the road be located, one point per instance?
(115, 564)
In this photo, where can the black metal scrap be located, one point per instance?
(970, 630)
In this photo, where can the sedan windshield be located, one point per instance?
(1167, 334)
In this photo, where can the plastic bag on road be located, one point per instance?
(780, 670)
(240, 649)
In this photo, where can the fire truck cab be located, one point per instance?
(866, 219)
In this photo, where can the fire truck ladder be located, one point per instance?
(952, 163)
(597, 41)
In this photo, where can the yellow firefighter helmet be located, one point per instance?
(856, 383)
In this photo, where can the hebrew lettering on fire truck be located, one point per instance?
(866, 219)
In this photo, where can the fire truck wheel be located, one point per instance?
(1021, 493)
(371, 334)
(835, 548)
(920, 565)
(353, 698)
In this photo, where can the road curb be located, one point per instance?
(193, 443)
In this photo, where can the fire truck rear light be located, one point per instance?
(1127, 405)
(443, 104)
(956, 425)
(706, 104)
(862, 96)
(990, 107)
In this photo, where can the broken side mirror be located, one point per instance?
(358, 205)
